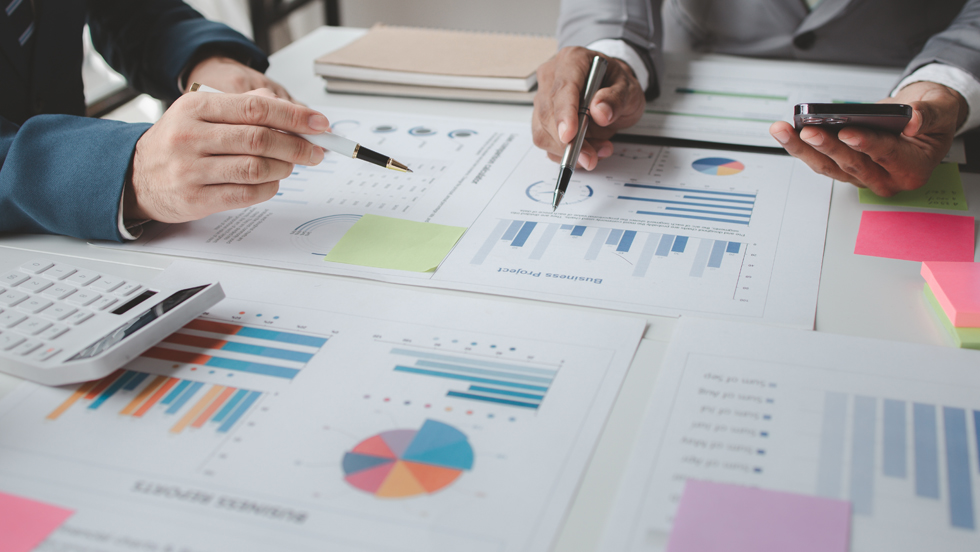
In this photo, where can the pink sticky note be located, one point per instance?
(719, 517)
(957, 288)
(24, 523)
(915, 236)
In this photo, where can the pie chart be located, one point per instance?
(718, 166)
(405, 462)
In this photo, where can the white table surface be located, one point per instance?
(861, 296)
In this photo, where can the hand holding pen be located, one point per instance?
(568, 161)
(617, 105)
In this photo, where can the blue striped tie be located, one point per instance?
(22, 19)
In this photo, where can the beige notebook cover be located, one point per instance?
(344, 86)
(435, 57)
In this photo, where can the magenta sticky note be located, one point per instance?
(915, 236)
(720, 517)
(25, 523)
(957, 288)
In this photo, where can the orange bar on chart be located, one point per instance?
(176, 356)
(209, 411)
(198, 408)
(143, 395)
(156, 397)
(103, 383)
(196, 341)
(71, 400)
(213, 327)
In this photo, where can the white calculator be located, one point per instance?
(62, 324)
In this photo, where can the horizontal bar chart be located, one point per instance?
(190, 404)
(687, 203)
(238, 348)
(940, 444)
(490, 381)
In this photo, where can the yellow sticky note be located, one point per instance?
(943, 191)
(385, 242)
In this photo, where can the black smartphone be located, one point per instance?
(890, 117)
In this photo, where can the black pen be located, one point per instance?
(592, 84)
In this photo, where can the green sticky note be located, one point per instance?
(385, 242)
(943, 191)
(967, 338)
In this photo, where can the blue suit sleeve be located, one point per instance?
(151, 41)
(63, 174)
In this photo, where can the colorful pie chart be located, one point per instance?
(718, 166)
(404, 462)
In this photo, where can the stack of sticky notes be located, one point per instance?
(953, 291)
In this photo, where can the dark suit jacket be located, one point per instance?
(898, 33)
(61, 172)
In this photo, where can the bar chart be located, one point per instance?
(553, 241)
(237, 348)
(181, 404)
(482, 379)
(694, 205)
(917, 440)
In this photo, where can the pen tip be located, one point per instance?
(396, 166)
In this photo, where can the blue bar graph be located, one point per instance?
(462, 359)
(240, 411)
(524, 233)
(136, 381)
(512, 230)
(678, 215)
(958, 468)
(175, 392)
(717, 253)
(191, 390)
(830, 464)
(474, 379)
(563, 227)
(926, 450)
(894, 439)
(578, 230)
(269, 352)
(614, 237)
(720, 199)
(480, 371)
(733, 247)
(252, 367)
(230, 405)
(627, 241)
(506, 392)
(688, 203)
(665, 243)
(282, 337)
(863, 455)
(679, 244)
(688, 190)
(510, 402)
(112, 389)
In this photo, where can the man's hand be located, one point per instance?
(232, 77)
(555, 121)
(214, 152)
(883, 162)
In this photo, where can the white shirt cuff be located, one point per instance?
(954, 78)
(122, 226)
(613, 47)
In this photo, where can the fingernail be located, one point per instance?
(851, 141)
(562, 127)
(319, 122)
(782, 137)
(814, 140)
(605, 151)
(584, 161)
(317, 156)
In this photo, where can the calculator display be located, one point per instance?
(128, 329)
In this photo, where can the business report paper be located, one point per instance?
(890, 427)
(734, 100)
(299, 414)
(653, 230)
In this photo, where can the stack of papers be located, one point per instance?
(434, 63)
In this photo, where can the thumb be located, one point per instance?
(926, 119)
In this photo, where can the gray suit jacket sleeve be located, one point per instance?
(637, 22)
(958, 45)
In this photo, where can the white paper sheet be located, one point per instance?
(889, 426)
(734, 100)
(323, 367)
(753, 224)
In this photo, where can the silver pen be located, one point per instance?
(596, 73)
(332, 142)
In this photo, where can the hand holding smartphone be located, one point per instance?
(888, 117)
